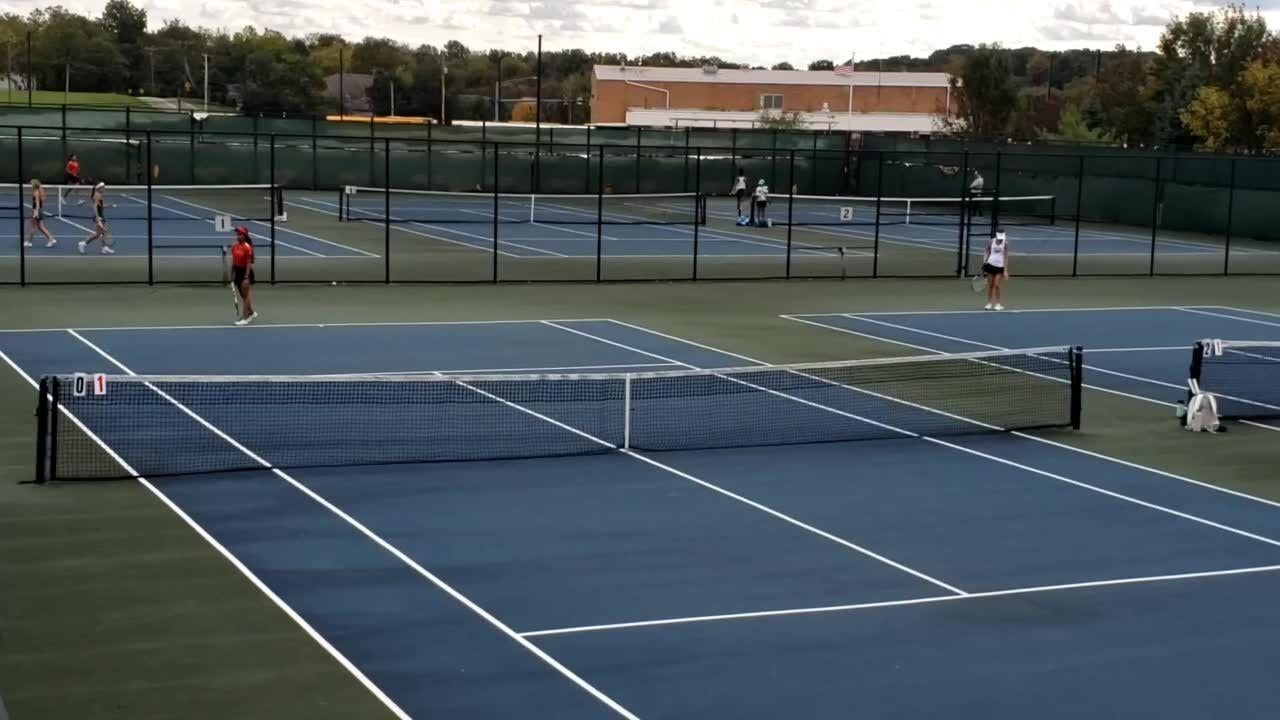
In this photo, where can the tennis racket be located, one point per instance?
(978, 282)
(235, 297)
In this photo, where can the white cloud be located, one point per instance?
(759, 32)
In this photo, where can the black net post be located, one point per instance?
(1231, 210)
(150, 220)
(315, 151)
(962, 250)
(429, 185)
(636, 186)
(686, 164)
(386, 211)
(22, 225)
(1077, 384)
(1075, 248)
(699, 215)
(875, 252)
(271, 158)
(191, 154)
(599, 217)
(42, 430)
(496, 160)
(1155, 218)
(791, 208)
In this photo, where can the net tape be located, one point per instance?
(370, 204)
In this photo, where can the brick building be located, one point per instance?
(681, 97)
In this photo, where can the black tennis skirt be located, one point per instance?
(989, 269)
(238, 275)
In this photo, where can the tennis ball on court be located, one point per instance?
(334, 283)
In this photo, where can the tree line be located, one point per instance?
(1213, 80)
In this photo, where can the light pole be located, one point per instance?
(444, 74)
(497, 86)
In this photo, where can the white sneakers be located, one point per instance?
(106, 250)
(996, 306)
(81, 246)
(26, 243)
(51, 243)
(247, 320)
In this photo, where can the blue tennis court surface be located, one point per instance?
(999, 575)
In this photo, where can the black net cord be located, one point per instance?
(1197, 361)
(42, 430)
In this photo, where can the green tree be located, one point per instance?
(780, 120)
(984, 92)
(783, 66)
(1214, 115)
(822, 65)
(128, 24)
(64, 41)
(1120, 103)
(1073, 128)
(373, 54)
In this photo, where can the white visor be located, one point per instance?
(1000, 236)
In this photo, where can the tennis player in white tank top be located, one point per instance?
(995, 265)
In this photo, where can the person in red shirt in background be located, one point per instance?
(242, 274)
(72, 176)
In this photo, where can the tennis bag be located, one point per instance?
(1202, 413)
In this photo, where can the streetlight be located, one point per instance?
(444, 73)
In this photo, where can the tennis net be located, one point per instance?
(1244, 375)
(435, 206)
(158, 202)
(176, 425)
(842, 210)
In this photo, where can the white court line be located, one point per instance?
(1016, 433)
(486, 247)
(378, 540)
(1198, 311)
(987, 312)
(244, 570)
(1243, 310)
(390, 323)
(901, 603)
(1100, 456)
(279, 230)
(487, 371)
(195, 217)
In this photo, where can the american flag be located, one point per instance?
(845, 68)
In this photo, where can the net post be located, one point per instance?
(626, 413)
(22, 224)
(1231, 210)
(875, 259)
(42, 430)
(1077, 384)
(386, 215)
(315, 151)
(1197, 361)
(599, 216)
(272, 173)
(962, 259)
(494, 189)
(55, 399)
(791, 204)
(1155, 219)
(1075, 248)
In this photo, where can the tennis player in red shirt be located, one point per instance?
(71, 177)
(242, 274)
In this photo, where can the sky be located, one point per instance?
(760, 32)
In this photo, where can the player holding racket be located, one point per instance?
(36, 224)
(101, 231)
(995, 265)
(71, 177)
(242, 274)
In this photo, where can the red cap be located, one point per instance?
(243, 231)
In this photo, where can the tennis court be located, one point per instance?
(798, 580)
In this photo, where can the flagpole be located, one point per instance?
(852, 64)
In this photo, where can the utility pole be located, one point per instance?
(206, 82)
(444, 74)
(151, 85)
(497, 92)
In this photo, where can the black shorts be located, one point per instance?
(238, 275)
(740, 193)
(989, 269)
(762, 204)
(70, 179)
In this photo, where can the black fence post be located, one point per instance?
(686, 164)
(496, 223)
(599, 217)
(386, 211)
(22, 225)
(962, 258)
(275, 192)
(1231, 211)
(791, 209)
(699, 214)
(639, 133)
(875, 252)
(1155, 219)
(1075, 249)
(191, 153)
(150, 223)
(315, 153)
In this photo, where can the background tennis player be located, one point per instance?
(71, 177)
(36, 224)
(740, 189)
(995, 265)
(242, 274)
(101, 231)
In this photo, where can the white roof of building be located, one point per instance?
(769, 77)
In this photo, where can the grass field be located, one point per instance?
(115, 609)
(55, 97)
